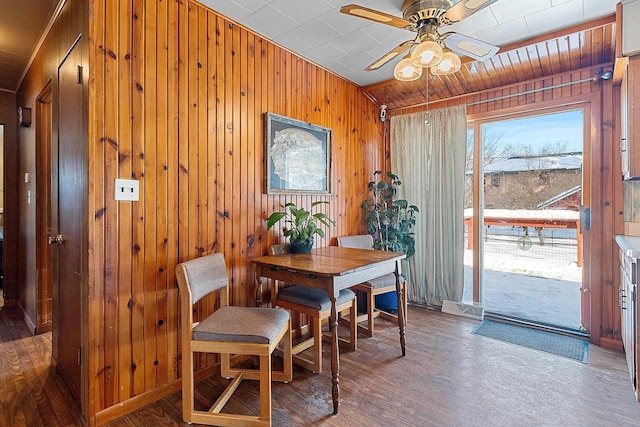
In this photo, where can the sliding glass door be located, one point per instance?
(528, 185)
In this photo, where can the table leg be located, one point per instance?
(401, 312)
(335, 356)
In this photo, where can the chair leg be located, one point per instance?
(317, 344)
(353, 325)
(405, 304)
(187, 385)
(287, 355)
(371, 308)
(265, 389)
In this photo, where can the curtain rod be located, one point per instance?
(604, 76)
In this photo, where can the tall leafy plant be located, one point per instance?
(389, 219)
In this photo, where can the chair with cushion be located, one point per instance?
(377, 286)
(315, 303)
(228, 331)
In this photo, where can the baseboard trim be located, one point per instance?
(141, 400)
(611, 344)
(22, 312)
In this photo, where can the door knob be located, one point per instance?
(57, 240)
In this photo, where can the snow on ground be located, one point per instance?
(542, 283)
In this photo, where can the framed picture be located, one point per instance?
(297, 156)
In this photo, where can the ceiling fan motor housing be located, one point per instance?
(418, 11)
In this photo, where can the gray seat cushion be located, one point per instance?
(242, 324)
(383, 281)
(316, 299)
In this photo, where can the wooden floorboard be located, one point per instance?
(448, 378)
(31, 394)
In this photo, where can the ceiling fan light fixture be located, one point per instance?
(426, 54)
(450, 64)
(405, 70)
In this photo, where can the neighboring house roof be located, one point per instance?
(565, 161)
(559, 197)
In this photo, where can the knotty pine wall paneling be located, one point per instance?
(177, 100)
(601, 166)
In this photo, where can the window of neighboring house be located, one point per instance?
(495, 180)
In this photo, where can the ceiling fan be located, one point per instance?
(429, 49)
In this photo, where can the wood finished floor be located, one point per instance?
(448, 378)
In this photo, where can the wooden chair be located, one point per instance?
(228, 331)
(315, 303)
(380, 285)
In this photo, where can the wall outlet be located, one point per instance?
(127, 189)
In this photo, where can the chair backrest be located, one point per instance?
(280, 249)
(362, 241)
(202, 276)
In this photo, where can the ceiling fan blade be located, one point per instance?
(374, 15)
(473, 48)
(464, 9)
(390, 55)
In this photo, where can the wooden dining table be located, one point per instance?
(334, 268)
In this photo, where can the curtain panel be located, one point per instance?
(430, 160)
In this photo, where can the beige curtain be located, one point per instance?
(430, 161)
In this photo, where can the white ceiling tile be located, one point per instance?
(315, 33)
(325, 53)
(343, 23)
(510, 10)
(482, 19)
(252, 5)
(596, 9)
(557, 2)
(384, 33)
(506, 33)
(301, 14)
(358, 61)
(292, 43)
(270, 22)
(561, 16)
(227, 8)
(356, 42)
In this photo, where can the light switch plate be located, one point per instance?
(127, 189)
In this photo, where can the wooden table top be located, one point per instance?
(329, 260)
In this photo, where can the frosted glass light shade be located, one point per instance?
(405, 71)
(426, 54)
(450, 64)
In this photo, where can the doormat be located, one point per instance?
(562, 345)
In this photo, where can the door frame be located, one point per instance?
(46, 135)
(591, 194)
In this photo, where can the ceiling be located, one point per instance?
(347, 44)
(21, 26)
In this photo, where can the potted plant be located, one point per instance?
(390, 221)
(300, 225)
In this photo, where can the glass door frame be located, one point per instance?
(475, 121)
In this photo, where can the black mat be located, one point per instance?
(561, 345)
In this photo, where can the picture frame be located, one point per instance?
(297, 156)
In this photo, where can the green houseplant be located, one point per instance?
(389, 220)
(300, 224)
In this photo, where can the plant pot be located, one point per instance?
(387, 302)
(301, 246)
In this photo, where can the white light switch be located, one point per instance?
(127, 189)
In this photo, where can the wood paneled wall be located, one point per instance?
(177, 101)
(70, 27)
(601, 166)
(9, 118)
